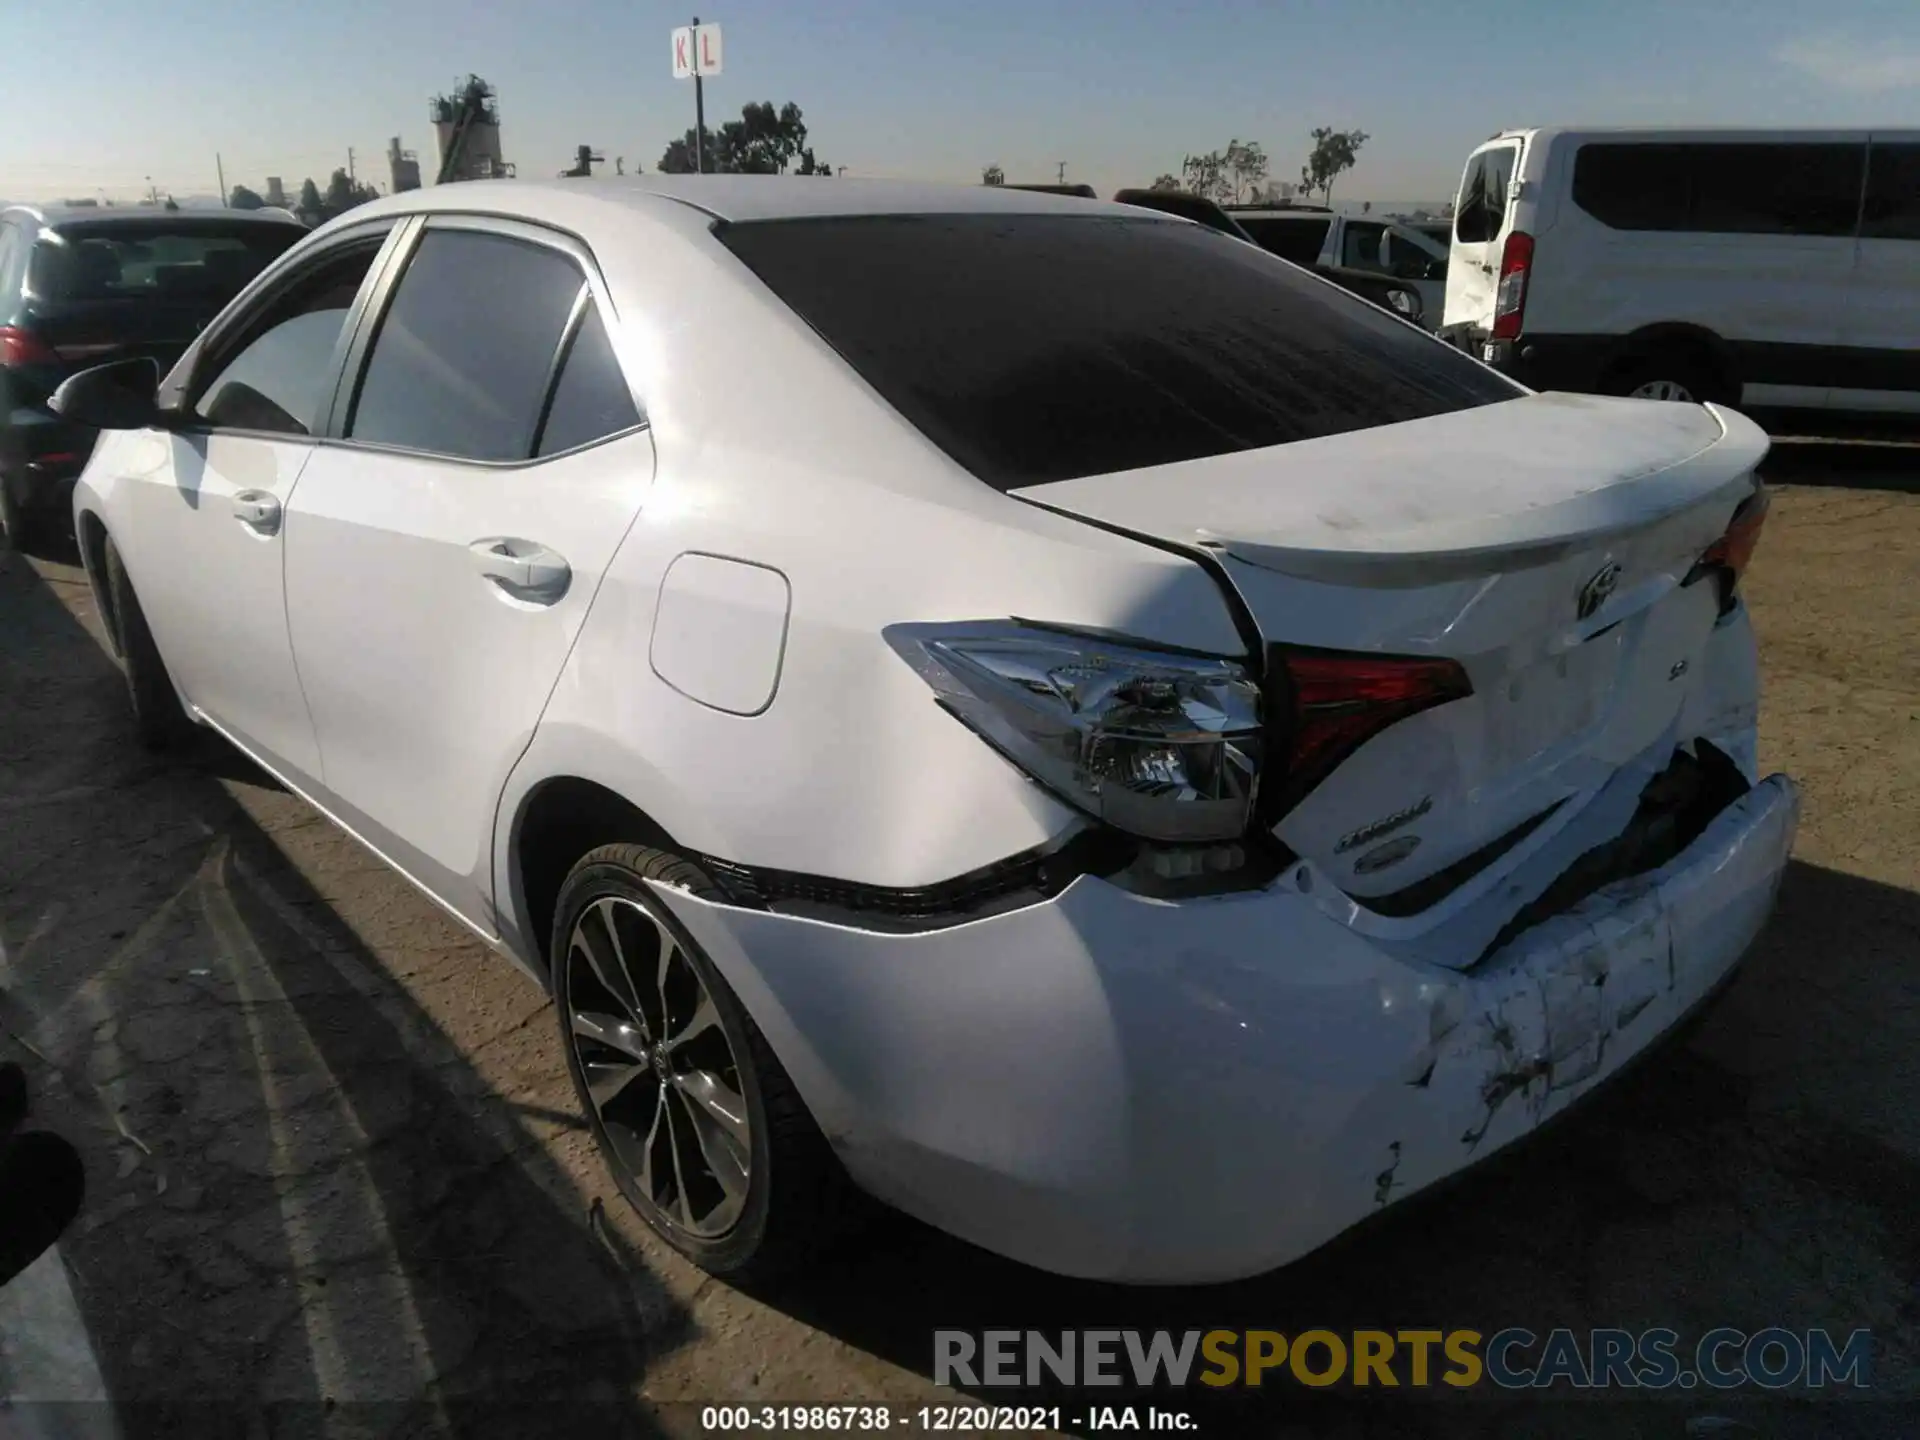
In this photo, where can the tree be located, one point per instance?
(678, 157)
(342, 195)
(309, 198)
(762, 141)
(1205, 175)
(1334, 152)
(245, 199)
(1244, 168)
(1225, 177)
(993, 175)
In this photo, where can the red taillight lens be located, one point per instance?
(1510, 300)
(1730, 555)
(1340, 701)
(23, 347)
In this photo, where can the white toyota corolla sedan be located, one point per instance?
(1031, 707)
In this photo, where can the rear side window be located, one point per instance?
(1034, 348)
(1295, 240)
(203, 264)
(1482, 207)
(590, 397)
(460, 364)
(1721, 189)
(1893, 194)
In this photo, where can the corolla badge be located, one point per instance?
(1385, 825)
(1598, 590)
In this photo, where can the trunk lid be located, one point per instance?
(1541, 543)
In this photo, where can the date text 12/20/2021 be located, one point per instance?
(940, 1419)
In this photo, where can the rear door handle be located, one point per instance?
(522, 570)
(258, 510)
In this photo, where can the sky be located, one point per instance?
(1121, 91)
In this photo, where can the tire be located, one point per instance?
(158, 716)
(18, 523)
(793, 1198)
(1673, 374)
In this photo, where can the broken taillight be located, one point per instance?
(1729, 556)
(1337, 701)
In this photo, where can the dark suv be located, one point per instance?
(80, 287)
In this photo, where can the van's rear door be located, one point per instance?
(1480, 223)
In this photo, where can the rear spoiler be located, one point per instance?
(1438, 550)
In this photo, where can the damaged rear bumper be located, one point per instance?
(1112, 1086)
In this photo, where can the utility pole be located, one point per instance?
(350, 177)
(1063, 172)
(219, 166)
(699, 108)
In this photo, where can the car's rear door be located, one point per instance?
(443, 550)
(1479, 230)
(201, 523)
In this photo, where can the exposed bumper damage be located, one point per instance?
(1119, 1087)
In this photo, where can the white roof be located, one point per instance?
(738, 197)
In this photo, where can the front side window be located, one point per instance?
(1481, 210)
(281, 376)
(1360, 247)
(1893, 194)
(460, 363)
(1034, 348)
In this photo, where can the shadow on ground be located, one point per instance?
(300, 1192)
(1723, 1181)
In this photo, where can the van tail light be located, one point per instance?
(1337, 701)
(1510, 300)
(23, 347)
(1729, 556)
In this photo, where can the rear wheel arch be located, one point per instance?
(559, 821)
(1698, 351)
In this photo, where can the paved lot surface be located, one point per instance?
(336, 1163)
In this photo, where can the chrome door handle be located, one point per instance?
(258, 510)
(522, 569)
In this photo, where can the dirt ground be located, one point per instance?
(335, 1162)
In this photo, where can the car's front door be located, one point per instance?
(443, 551)
(203, 531)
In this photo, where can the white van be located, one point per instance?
(1763, 268)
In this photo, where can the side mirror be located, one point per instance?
(120, 396)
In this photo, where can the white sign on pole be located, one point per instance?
(696, 51)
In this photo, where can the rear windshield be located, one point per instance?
(1034, 348)
(202, 264)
